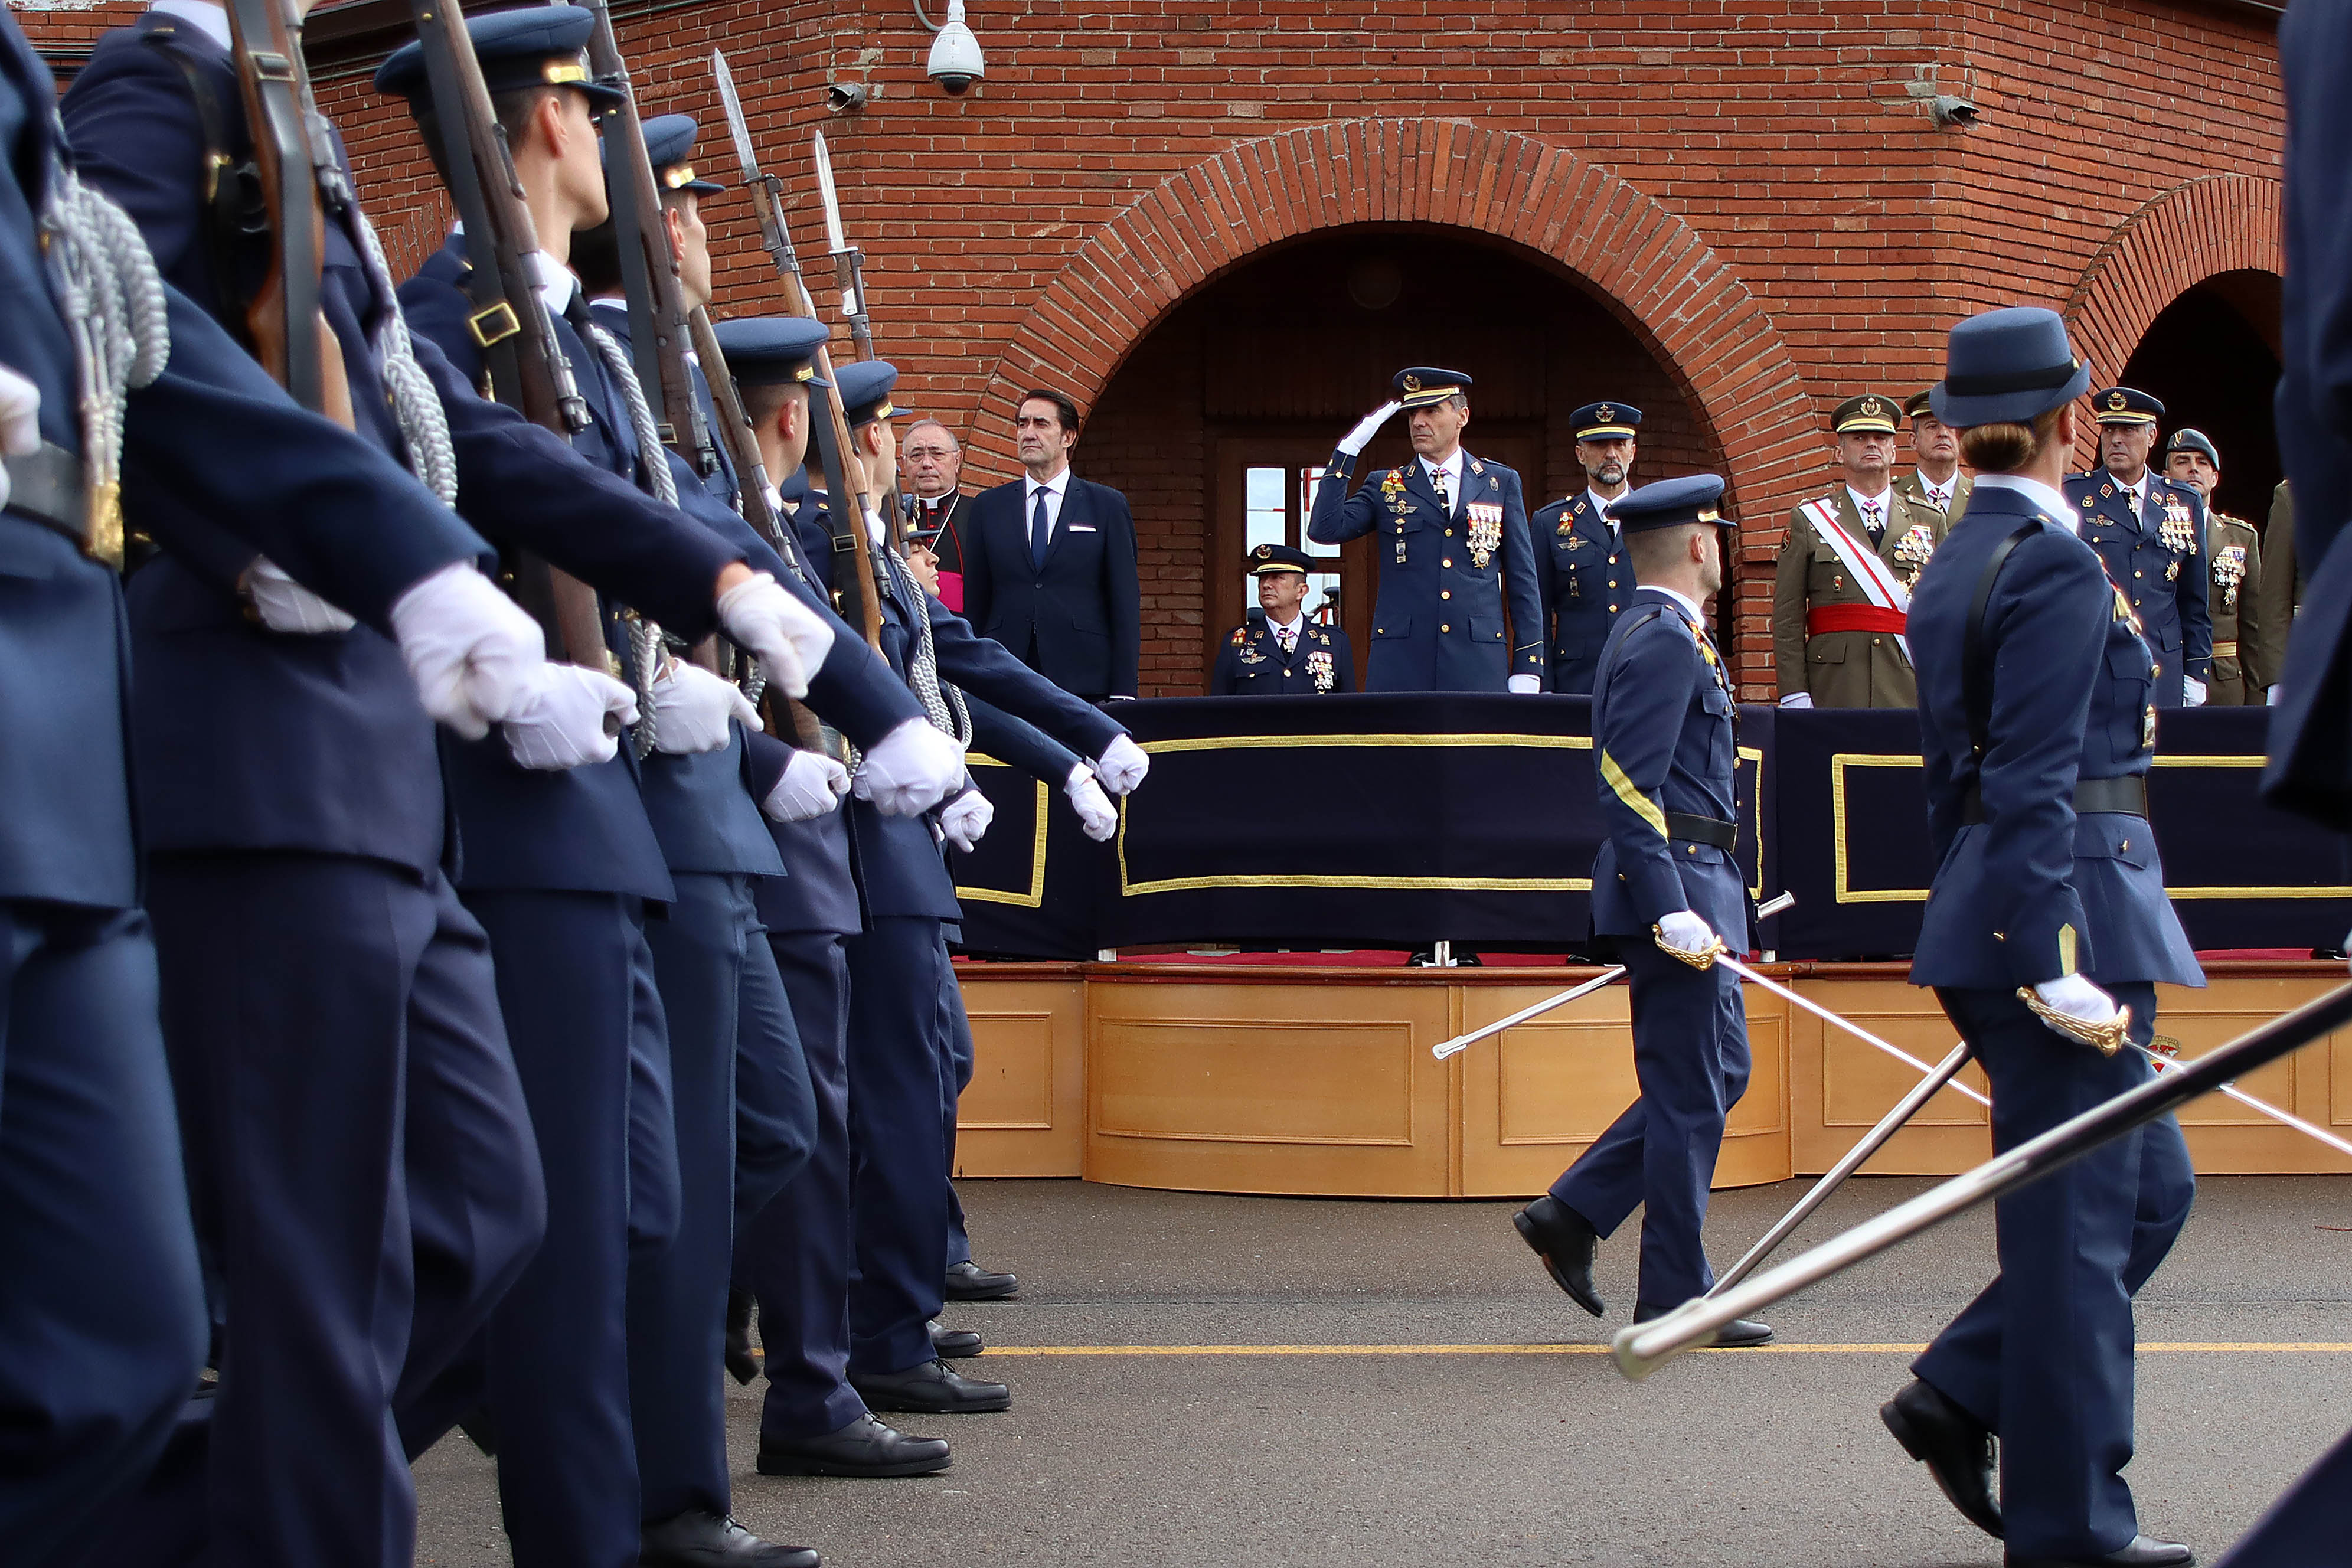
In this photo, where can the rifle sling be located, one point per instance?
(231, 211)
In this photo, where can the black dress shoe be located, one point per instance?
(968, 1281)
(933, 1390)
(2141, 1552)
(1737, 1334)
(742, 1364)
(1955, 1447)
(954, 1344)
(698, 1539)
(865, 1447)
(1565, 1243)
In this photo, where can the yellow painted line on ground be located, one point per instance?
(2190, 1347)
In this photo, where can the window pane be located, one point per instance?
(1264, 489)
(1309, 479)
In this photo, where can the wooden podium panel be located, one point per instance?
(1025, 1112)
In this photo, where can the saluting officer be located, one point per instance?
(1846, 565)
(1582, 576)
(2047, 932)
(2243, 660)
(1937, 478)
(1451, 533)
(1665, 886)
(1282, 653)
(2151, 534)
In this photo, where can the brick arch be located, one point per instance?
(2197, 230)
(1651, 269)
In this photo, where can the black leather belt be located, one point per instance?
(47, 487)
(2127, 796)
(1703, 829)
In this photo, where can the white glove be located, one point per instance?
(560, 721)
(1686, 930)
(472, 651)
(1122, 765)
(1798, 699)
(285, 606)
(691, 708)
(1523, 684)
(910, 770)
(789, 639)
(2195, 690)
(966, 818)
(1356, 440)
(812, 785)
(2270, 698)
(2077, 998)
(1095, 813)
(20, 421)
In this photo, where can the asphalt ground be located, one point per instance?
(1469, 1417)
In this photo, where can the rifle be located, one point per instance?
(511, 325)
(849, 266)
(858, 599)
(649, 276)
(283, 319)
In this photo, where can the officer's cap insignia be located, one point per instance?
(1605, 412)
(1871, 409)
(2117, 400)
(1412, 383)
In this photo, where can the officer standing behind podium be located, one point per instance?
(1582, 577)
(2244, 661)
(1282, 653)
(1846, 564)
(1665, 886)
(1938, 479)
(2150, 532)
(2047, 931)
(1450, 534)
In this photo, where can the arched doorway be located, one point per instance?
(2212, 356)
(1217, 423)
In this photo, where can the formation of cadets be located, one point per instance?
(504, 1070)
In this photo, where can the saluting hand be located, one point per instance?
(1354, 442)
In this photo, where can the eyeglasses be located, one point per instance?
(928, 454)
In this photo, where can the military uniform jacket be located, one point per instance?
(2159, 563)
(1849, 669)
(212, 438)
(2035, 891)
(1251, 662)
(1584, 579)
(1662, 742)
(1458, 607)
(1963, 485)
(2233, 554)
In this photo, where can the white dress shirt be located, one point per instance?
(1884, 500)
(1600, 503)
(1292, 627)
(1452, 469)
(1689, 605)
(210, 20)
(2041, 496)
(1055, 489)
(1940, 495)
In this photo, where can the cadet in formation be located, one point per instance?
(2150, 534)
(2047, 932)
(1282, 653)
(1458, 607)
(1843, 580)
(1666, 890)
(1584, 579)
(2245, 661)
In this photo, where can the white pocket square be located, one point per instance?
(1082, 528)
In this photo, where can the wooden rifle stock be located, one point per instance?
(509, 323)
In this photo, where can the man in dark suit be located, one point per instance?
(1282, 653)
(1049, 562)
(938, 514)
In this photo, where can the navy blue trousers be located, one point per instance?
(576, 986)
(794, 1257)
(678, 1301)
(2043, 1356)
(1690, 1057)
(102, 1316)
(362, 1170)
(775, 1101)
(899, 1077)
(957, 1026)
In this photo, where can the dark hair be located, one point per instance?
(1652, 550)
(2006, 448)
(762, 403)
(1065, 413)
(512, 109)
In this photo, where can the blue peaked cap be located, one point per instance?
(536, 46)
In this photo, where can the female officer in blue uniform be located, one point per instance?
(2046, 932)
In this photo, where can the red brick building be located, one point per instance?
(1220, 223)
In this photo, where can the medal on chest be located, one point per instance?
(1392, 497)
(2176, 533)
(1318, 665)
(1911, 551)
(2229, 571)
(1486, 530)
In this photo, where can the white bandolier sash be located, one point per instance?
(1890, 601)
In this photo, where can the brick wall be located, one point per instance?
(1753, 188)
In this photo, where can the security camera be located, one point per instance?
(1947, 110)
(955, 63)
(845, 97)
